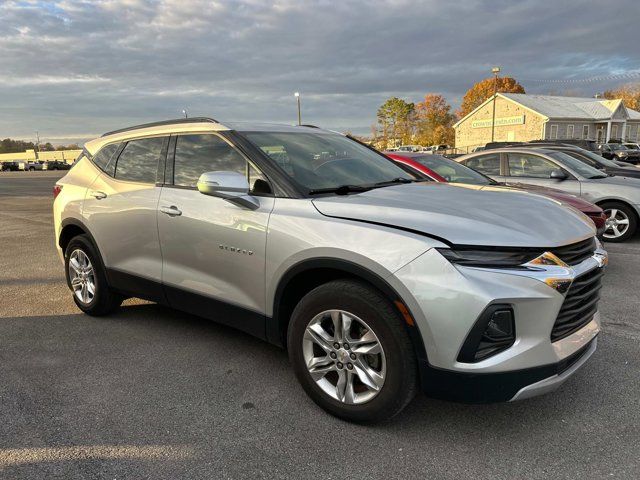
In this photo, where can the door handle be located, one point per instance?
(98, 195)
(172, 211)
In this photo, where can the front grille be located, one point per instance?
(577, 252)
(580, 304)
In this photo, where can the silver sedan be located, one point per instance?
(618, 196)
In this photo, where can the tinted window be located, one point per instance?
(104, 156)
(326, 160)
(526, 165)
(138, 162)
(197, 154)
(488, 164)
(451, 170)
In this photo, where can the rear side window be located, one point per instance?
(104, 158)
(488, 164)
(138, 162)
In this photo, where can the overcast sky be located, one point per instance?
(74, 68)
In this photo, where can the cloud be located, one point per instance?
(78, 65)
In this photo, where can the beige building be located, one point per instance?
(521, 117)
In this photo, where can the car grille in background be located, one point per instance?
(575, 253)
(580, 304)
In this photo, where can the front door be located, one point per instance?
(531, 169)
(121, 211)
(213, 251)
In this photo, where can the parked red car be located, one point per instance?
(442, 169)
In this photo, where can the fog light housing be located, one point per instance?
(493, 332)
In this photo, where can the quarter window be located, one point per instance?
(197, 154)
(104, 158)
(488, 164)
(138, 162)
(526, 165)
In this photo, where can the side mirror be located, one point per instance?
(231, 186)
(558, 175)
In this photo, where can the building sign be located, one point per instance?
(519, 120)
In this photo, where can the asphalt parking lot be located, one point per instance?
(150, 392)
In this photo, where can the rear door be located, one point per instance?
(532, 169)
(488, 164)
(121, 211)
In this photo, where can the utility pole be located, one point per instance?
(495, 71)
(297, 95)
(37, 149)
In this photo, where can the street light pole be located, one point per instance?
(495, 71)
(297, 95)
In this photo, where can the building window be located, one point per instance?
(569, 131)
(631, 131)
(554, 132)
(585, 131)
(614, 131)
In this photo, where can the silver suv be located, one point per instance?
(377, 283)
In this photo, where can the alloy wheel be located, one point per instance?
(82, 276)
(344, 357)
(617, 223)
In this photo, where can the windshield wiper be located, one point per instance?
(341, 190)
(394, 181)
(600, 176)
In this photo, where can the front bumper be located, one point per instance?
(447, 300)
(504, 386)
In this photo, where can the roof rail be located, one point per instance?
(163, 122)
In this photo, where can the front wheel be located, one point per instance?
(351, 352)
(621, 222)
(87, 279)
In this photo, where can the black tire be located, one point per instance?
(376, 310)
(629, 213)
(104, 300)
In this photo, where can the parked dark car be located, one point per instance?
(589, 145)
(58, 165)
(617, 151)
(593, 159)
(10, 166)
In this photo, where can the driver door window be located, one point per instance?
(527, 165)
(197, 154)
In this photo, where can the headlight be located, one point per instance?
(622, 154)
(490, 258)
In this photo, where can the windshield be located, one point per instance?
(577, 166)
(592, 159)
(452, 171)
(618, 147)
(320, 161)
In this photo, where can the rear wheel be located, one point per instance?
(87, 279)
(351, 353)
(621, 222)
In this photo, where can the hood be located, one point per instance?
(559, 195)
(464, 216)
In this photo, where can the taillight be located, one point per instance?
(56, 190)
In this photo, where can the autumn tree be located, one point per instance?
(434, 121)
(630, 95)
(484, 89)
(395, 121)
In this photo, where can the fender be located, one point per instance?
(277, 326)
